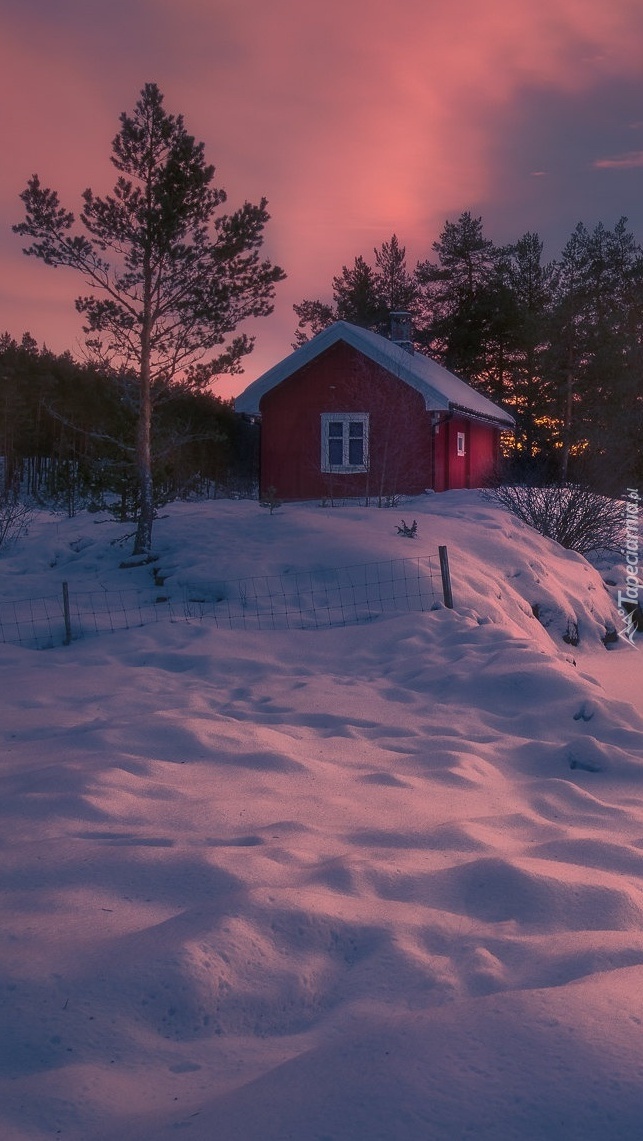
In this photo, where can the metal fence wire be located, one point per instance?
(313, 599)
(32, 622)
(41, 623)
(316, 599)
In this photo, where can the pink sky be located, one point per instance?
(356, 119)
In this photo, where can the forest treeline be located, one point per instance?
(559, 344)
(68, 435)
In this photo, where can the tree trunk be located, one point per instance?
(143, 541)
(567, 426)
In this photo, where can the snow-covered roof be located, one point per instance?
(442, 391)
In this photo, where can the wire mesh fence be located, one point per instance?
(41, 623)
(317, 598)
(312, 599)
(32, 622)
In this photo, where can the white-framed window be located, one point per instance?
(344, 441)
(460, 444)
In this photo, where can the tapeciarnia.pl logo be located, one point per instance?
(628, 599)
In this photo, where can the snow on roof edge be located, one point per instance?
(441, 389)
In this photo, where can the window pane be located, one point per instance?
(335, 452)
(355, 451)
(336, 428)
(356, 443)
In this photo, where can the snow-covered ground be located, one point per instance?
(373, 883)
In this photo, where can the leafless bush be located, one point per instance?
(14, 518)
(573, 515)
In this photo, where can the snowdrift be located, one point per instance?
(374, 881)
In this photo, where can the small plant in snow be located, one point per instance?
(270, 500)
(408, 532)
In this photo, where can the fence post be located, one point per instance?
(446, 577)
(66, 614)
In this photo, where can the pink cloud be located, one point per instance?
(355, 118)
(620, 162)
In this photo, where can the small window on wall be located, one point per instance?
(344, 441)
(460, 444)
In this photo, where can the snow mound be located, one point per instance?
(377, 880)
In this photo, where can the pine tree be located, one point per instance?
(314, 317)
(611, 385)
(596, 341)
(356, 295)
(362, 294)
(532, 395)
(459, 297)
(396, 287)
(183, 276)
(355, 299)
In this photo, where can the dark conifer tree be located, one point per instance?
(396, 287)
(356, 295)
(595, 346)
(362, 294)
(314, 317)
(458, 297)
(532, 395)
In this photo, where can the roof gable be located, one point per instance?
(441, 390)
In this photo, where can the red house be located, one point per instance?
(354, 414)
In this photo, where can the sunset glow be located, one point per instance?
(356, 121)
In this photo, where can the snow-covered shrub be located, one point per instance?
(572, 514)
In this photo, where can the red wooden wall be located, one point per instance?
(481, 452)
(402, 459)
(342, 380)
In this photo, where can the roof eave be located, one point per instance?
(505, 420)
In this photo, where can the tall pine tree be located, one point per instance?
(532, 396)
(596, 343)
(459, 298)
(181, 276)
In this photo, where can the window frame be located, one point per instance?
(346, 419)
(461, 444)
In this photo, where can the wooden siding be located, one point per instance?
(481, 450)
(341, 380)
(410, 449)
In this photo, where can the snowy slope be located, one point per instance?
(379, 881)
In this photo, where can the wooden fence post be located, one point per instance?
(66, 614)
(446, 577)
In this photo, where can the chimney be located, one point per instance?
(401, 330)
